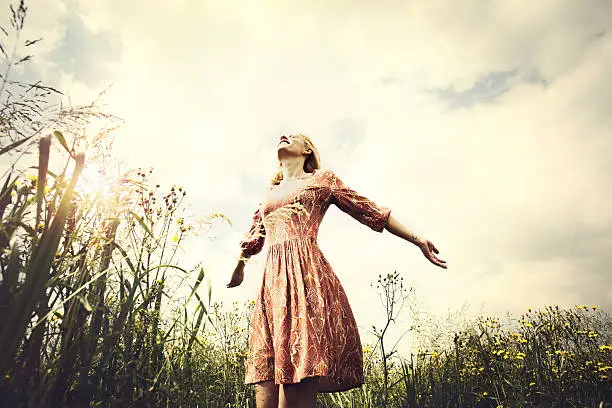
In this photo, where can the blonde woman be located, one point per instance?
(303, 337)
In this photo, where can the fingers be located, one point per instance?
(440, 262)
(233, 283)
(432, 258)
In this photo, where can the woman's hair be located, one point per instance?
(311, 163)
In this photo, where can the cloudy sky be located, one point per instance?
(484, 125)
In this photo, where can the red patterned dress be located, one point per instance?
(302, 325)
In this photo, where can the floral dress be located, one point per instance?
(302, 325)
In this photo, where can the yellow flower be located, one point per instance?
(531, 384)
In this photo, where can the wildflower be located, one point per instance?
(604, 347)
(531, 384)
(594, 307)
(605, 368)
(520, 356)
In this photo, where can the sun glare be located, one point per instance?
(94, 183)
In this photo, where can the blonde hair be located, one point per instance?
(311, 162)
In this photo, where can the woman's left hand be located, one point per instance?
(429, 250)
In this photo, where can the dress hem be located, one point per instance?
(320, 390)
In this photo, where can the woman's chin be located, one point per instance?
(284, 150)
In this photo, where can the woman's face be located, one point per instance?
(293, 145)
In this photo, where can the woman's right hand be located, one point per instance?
(237, 276)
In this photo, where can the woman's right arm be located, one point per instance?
(251, 245)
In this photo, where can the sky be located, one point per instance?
(483, 125)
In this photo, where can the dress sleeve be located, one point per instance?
(253, 240)
(357, 206)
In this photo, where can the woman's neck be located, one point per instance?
(292, 167)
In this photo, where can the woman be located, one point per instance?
(303, 337)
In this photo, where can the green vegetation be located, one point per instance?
(552, 357)
(90, 318)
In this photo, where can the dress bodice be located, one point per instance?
(299, 214)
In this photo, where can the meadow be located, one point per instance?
(91, 318)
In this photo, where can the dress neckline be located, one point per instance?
(310, 179)
(310, 183)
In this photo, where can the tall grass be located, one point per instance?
(552, 357)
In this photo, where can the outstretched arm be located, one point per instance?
(426, 246)
(251, 245)
(238, 274)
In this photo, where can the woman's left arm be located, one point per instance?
(426, 246)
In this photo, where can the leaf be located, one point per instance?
(14, 145)
(165, 266)
(197, 284)
(201, 304)
(125, 256)
(142, 223)
(85, 303)
(60, 138)
(30, 42)
(209, 289)
(49, 172)
(24, 59)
